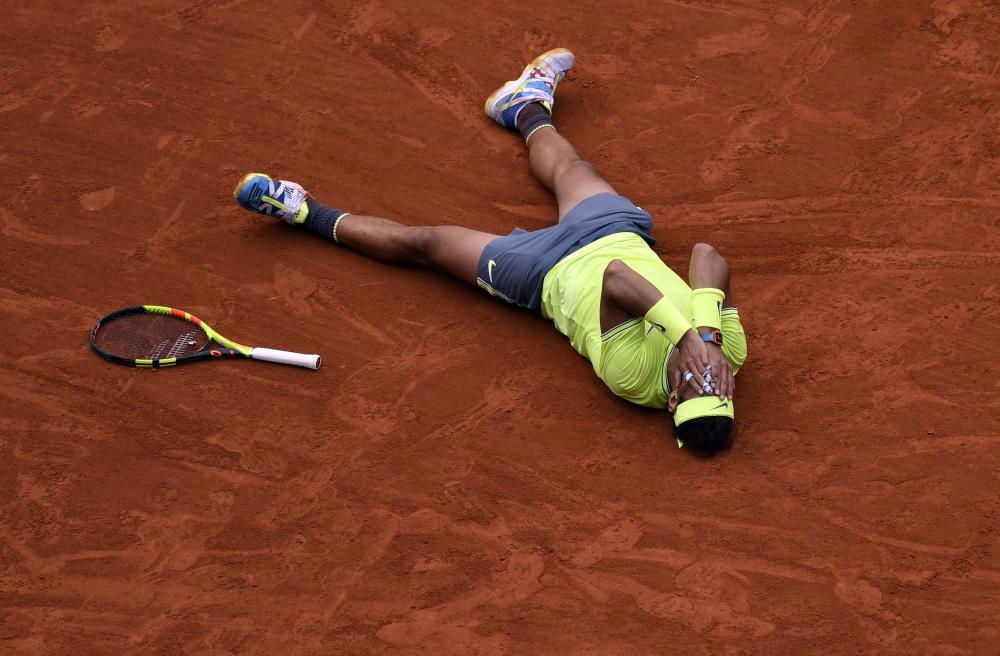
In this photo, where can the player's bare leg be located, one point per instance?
(452, 249)
(525, 104)
(561, 170)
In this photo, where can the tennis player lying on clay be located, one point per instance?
(654, 340)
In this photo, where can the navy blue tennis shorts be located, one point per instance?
(513, 267)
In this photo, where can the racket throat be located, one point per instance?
(224, 352)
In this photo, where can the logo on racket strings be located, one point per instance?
(183, 342)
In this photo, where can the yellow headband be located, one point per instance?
(703, 406)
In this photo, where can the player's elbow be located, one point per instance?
(615, 269)
(707, 254)
(615, 274)
(703, 251)
(615, 279)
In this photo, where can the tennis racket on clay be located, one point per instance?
(157, 336)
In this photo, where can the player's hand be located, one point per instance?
(722, 373)
(693, 356)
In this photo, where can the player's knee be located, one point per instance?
(571, 165)
(419, 243)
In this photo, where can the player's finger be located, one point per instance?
(703, 357)
(725, 380)
(697, 380)
(689, 378)
(711, 377)
(722, 382)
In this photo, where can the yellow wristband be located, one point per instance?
(669, 320)
(707, 306)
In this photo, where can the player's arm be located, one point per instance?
(710, 271)
(625, 295)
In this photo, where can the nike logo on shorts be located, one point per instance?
(489, 269)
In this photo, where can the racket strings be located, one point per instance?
(150, 337)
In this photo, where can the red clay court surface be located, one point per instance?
(455, 480)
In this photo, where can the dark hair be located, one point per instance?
(707, 434)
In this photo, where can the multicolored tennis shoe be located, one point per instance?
(537, 83)
(260, 193)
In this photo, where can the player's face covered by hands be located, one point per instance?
(722, 382)
(717, 378)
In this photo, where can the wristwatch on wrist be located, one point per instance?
(711, 336)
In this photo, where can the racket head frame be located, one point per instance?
(229, 348)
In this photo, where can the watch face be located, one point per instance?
(714, 337)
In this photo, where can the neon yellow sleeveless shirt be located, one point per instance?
(631, 358)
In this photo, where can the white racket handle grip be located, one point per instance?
(307, 360)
